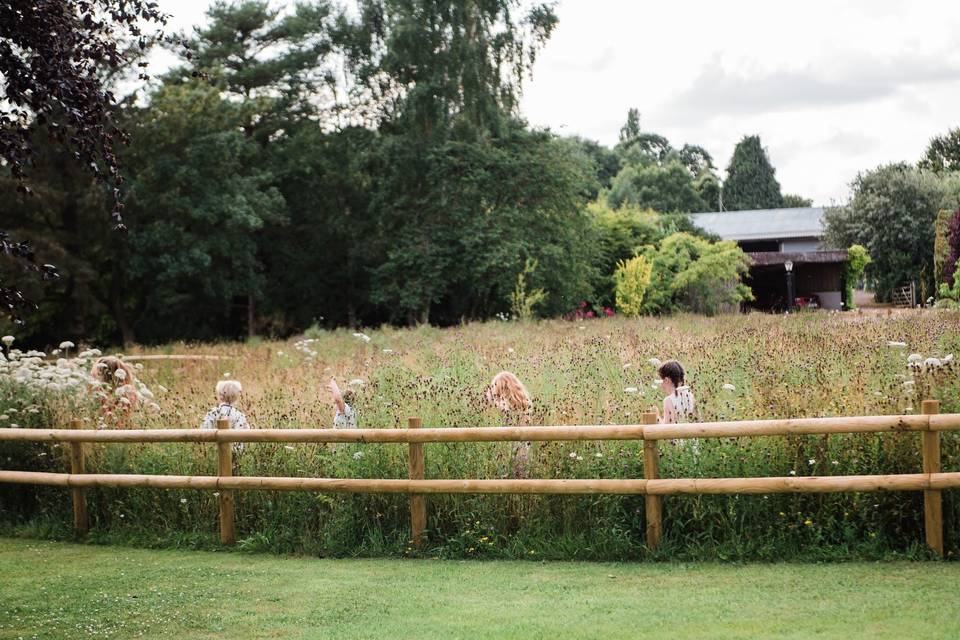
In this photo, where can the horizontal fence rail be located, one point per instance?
(740, 429)
(929, 424)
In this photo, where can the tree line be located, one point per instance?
(315, 165)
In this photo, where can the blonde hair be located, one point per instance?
(105, 370)
(508, 393)
(228, 391)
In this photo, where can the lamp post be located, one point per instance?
(788, 265)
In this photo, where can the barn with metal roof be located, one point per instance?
(792, 267)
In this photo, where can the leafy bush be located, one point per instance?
(521, 302)
(694, 274)
(857, 261)
(632, 278)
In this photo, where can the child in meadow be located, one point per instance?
(679, 404)
(117, 377)
(228, 392)
(508, 394)
(114, 383)
(344, 416)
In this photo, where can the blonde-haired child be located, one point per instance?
(508, 394)
(228, 392)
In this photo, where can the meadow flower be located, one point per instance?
(896, 344)
(358, 455)
(66, 344)
(388, 350)
(792, 472)
(812, 461)
(931, 363)
(7, 340)
(914, 357)
(655, 362)
(808, 522)
(510, 350)
(573, 455)
(120, 374)
(356, 382)
(289, 447)
(183, 501)
(729, 387)
(630, 390)
(627, 366)
(362, 336)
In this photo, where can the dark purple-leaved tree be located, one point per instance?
(53, 54)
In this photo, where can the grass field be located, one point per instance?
(58, 590)
(590, 372)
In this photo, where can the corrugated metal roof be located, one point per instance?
(763, 224)
(765, 258)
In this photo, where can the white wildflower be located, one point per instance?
(932, 363)
(388, 350)
(631, 390)
(358, 455)
(792, 472)
(226, 374)
(579, 457)
(834, 462)
(7, 340)
(812, 461)
(947, 358)
(896, 344)
(729, 387)
(627, 366)
(161, 388)
(279, 353)
(289, 447)
(909, 383)
(183, 501)
(4, 417)
(509, 349)
(362, 336)
(356, 382)
(914, 357)
(55, 352)
(598, 455)
(66, 344)
(14, 425)
(154, 407)
(573, 455)
(120, 374)
(655, 362)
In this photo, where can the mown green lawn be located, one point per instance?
(57, 590)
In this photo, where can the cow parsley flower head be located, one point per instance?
(655, 362)
(729, 387)
(120, 374)
(914, 357)
(630, 390)
(7, 340)
(66, 344)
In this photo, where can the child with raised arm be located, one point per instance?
(344, 416)
(679, 404)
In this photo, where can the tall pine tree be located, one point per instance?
(751, 180)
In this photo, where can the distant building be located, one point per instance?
(776, 239)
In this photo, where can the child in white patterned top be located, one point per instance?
(344, 417)
(228, 392)
(679, 404)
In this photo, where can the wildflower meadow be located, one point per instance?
(579, 372)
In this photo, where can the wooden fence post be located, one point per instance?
(932, 503)
(81, 520)
(225, 469)
(651, 471)
(418, 503)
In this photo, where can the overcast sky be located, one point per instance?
(832, 87)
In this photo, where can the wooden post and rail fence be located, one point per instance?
(932, 481)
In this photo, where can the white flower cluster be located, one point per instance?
(66, 375)
(305, 347)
